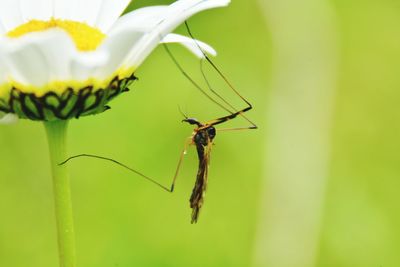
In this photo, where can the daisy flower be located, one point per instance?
(63, 59)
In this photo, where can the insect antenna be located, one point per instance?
(119, 164)
(182, 113)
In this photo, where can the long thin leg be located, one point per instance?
(209, 84)
(118, 163)
(235, 129)
(171, 189)
(188, 141)
(220, 97)
(230, 117)
(193, 81)
(232, 114)
(215, 67)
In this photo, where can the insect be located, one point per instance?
(205, 132)
(202, 137)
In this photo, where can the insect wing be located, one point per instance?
(200, 187)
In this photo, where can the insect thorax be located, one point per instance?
(204, 136)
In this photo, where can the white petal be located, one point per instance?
(109, 13)
(195, 46)
(10, 15)
(143, 19)
(43, 57)
(63, 9)
(85, 11)
(36, 9)
(126, 34)
(2, 28)
(85, 65)
(176, 13)
(78, 10)
(58, 51)
(40, 57)
(3, 64)
(8, 118)
(118, 45)
(28, 66)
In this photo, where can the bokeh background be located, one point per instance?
(316, 185)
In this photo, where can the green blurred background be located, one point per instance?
(122, 220)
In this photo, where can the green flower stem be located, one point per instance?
(56, 134)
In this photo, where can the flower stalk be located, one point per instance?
(56, 135)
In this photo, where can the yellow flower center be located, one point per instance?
(85, 37)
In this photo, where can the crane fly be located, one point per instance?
(204, 133)
(202, 136)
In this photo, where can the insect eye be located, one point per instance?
(211, 132)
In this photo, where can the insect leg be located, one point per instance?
(235, 129)
(220, 97)
(230, 117)
(195, 84)
(188, 142)
(117, 163)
